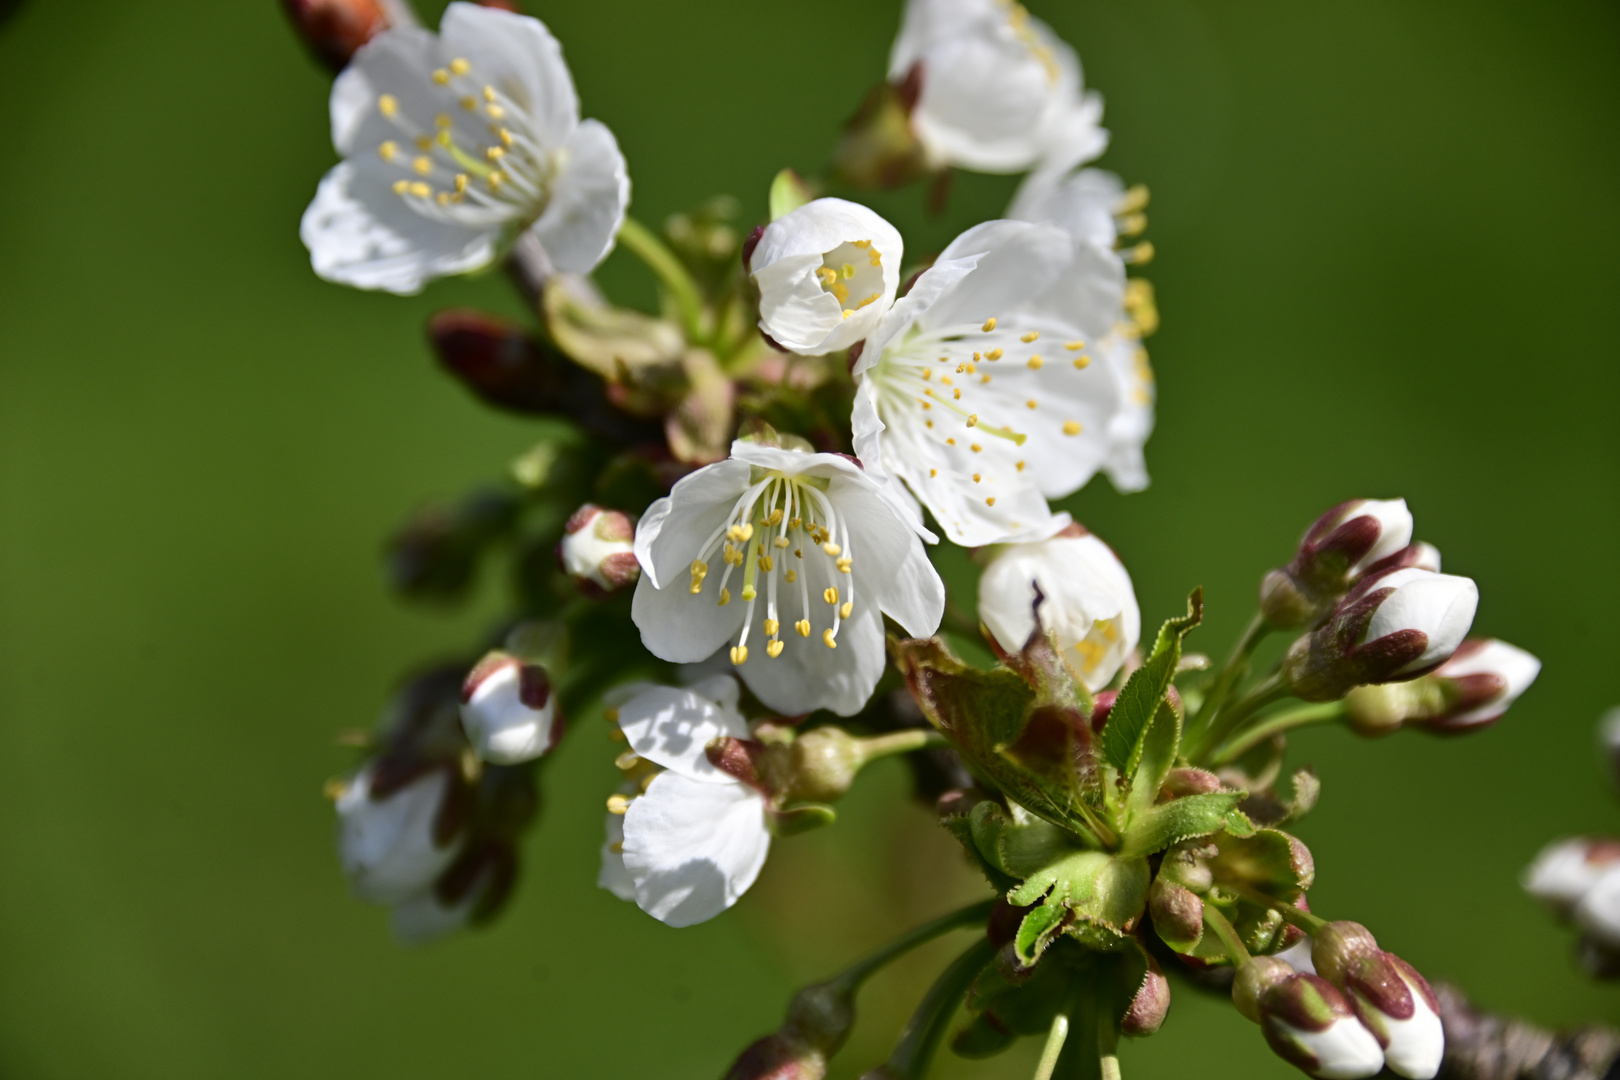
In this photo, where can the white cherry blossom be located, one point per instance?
(388, 845)
(979, 389)
(1000, 92)
(1090, 606)
(453, 144)
(817, 552)
(826, 273)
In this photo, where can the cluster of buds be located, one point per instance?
(597, 551)
(423, 828)
(1344, 543)
(1361, 1011)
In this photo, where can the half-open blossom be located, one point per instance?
(696, 838)
(1089, 607)
(395, 842)
(827, 272)
(455, 143)
(508, 710)
(792, 558)
(977, 388)
(1000, 92)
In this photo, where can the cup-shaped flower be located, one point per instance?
(1397, 624)
(1566, 870)
(1089, 609)
(1337, 549)
(455, 143)
(1309, 1023)
(999, 91)
(820, 552)
(826, 272)
(977, 389)
(509, 711)
(396, 834)
(696, 839)
(597, 550)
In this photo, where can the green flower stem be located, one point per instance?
(1227, 933)
(1276, 724)
(1108, 1039)
(645, 245)
(915, 1050)
(1232, 673)
(852, 977)
(900, 742)
(1267, 691)
(1080, 1058)
(1291, 914)
(1054, 1046)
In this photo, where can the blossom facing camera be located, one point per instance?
(1565, 871)
(1090, 607)
(334, 29)
(999, 91)
(696, 838)
(1338, 548)
(1310, 1024)
(598, 550)
(395, 838)
(977, 389)
(454, 144)
(1394, 625)
(826, 272)
(509, 711)
(818, 552)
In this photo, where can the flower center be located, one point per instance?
(478, 164)
(853, 273)
(784, 536)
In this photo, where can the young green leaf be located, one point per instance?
(1158, 747)
(1145, 690)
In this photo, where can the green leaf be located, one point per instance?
(960, 825)
(1179, 819)
(1159, 745)
(788, 193)
(1238, 824)
(1038, 930)
(1145, 690)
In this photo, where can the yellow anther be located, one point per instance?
(1035, 363)
(1074, 346)
(739, 655)
(421, 190)
(1131, 224)
(489, 94)
(422, 165)
(611, 715)
(1082, 362)
(1140, 255)
(973, 420)
(1135, 198)
(469, 103)
(781, 543)
(951, 441)
(976, 478)
(495, 153)
(442, 120)
(1020, 466)
(627, 761)
(932, 473)
(387, 150)
(442, 198)
(461, 183)
(775, 518)
(991, 501)
(792, 575)
(495, 180)
(441, 76)
(946, 379)
(848, 313)
(334, 788)
(803, 627)
(1030, 403)
(646, 782)
(495, 112)
(849, 606)
(993, 354)
(1071, 427)
(771, 627)
(617, 804)
(984, 378)
(615, 735)
(989, 324)
(798, 553)
(401, 187)
(617, 847)
(424, 143)
(847, 270)
(766, 563)
(976, 448)
(725, 598)
(1029, 337)
(388, 105)
(831, 548)
(774, 649)
(844, 564)
(828, 639)
(956, 395)
(460, 66)
(874, 298)
(929, 423)
(505, 137)
(976, 358)
(830, 594)
(926, 406)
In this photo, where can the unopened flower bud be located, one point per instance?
(1149, 1005)
(1177, 912)
(1567, 870)
(436, 554)
(1479, 683)
(397, 830)
(878, 148)
(1336, 550)
(1395, 1003)
(819, 1020)
(598, 550)
(508, 710)
(1310, 1024)
(1254, 978)
(334, 29)
(824, 762)
(1598, 911)
(1397, 625)
(471, 889)
(1421, 555)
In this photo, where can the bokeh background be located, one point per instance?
(1386, 235)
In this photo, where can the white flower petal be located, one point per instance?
(893, 570)
(360, 233)
(680, 626)
(693, 848)
(930, 285)
(588, 200)
(1018, 260)
(669, 532)
(519, 56)
(1598, 911)
(1566, 870)
(425, 918)
(1088, 294)
(1082, 204)
(394, 62)
(1440, 605)
(672, 727)
(613, 876)
(796, 308)
(387, 845)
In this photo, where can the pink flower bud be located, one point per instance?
(1309, 1023)
(508, 710)
(1566, 871)
(1149, 1005)
(598, 550)
(334, 29)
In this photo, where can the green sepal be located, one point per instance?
(800, 818)
(1143, 692)
(1269, 863)
(1179, 819)
(1238, 824)
(788, 193)
(1038, 929)
(960, 825)
(1105, 892)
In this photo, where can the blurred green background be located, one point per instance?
(1386, 235)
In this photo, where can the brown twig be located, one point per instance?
(1480, 1046)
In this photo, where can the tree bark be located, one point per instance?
(1480, 1046)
